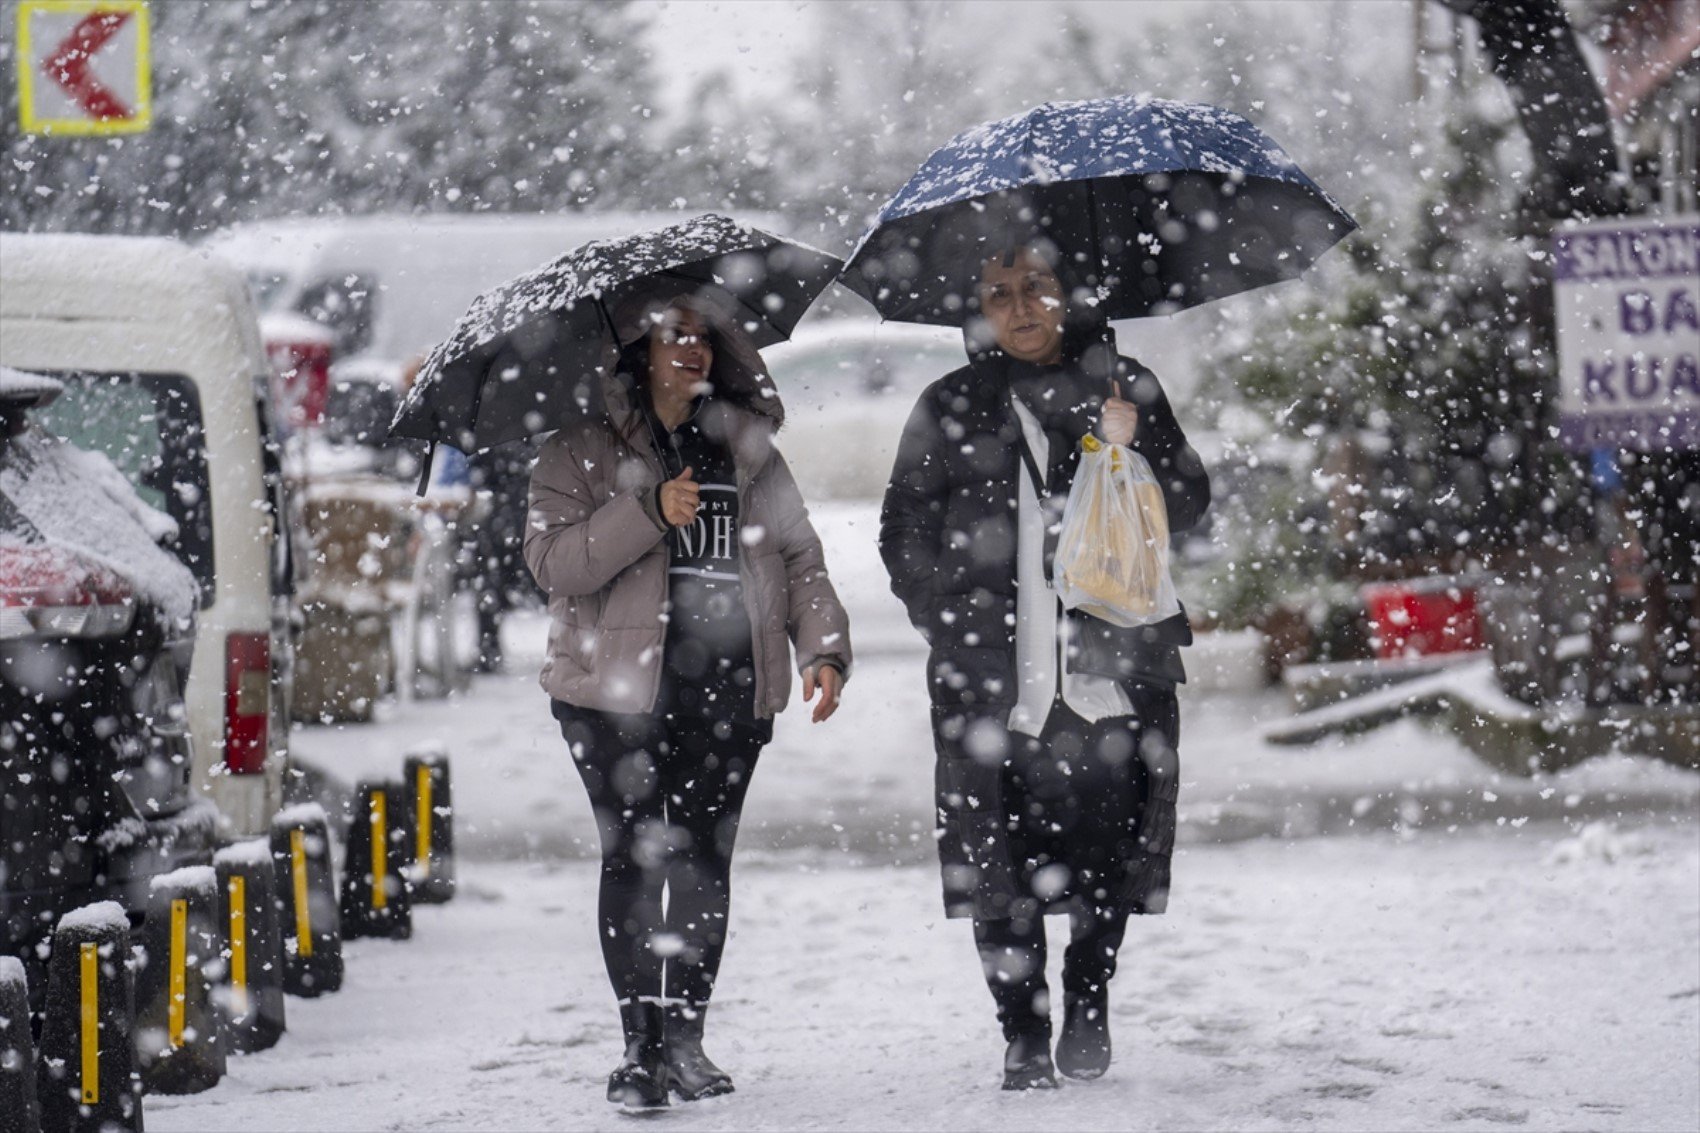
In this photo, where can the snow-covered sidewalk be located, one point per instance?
(1497, 977)
(1457, 957)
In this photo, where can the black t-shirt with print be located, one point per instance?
(708, 662)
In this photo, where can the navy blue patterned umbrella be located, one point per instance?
(530, 356)
(1156, 205)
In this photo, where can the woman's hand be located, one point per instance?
(831, 684)
(1118, 419)
(680, 498)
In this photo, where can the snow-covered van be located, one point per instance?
(159, 350)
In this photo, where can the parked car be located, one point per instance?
(848, 387)
(158, 348)
(97, 624)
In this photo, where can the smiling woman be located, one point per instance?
(678, 558)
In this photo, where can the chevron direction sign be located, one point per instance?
(83, 67)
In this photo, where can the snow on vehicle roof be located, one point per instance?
(860, 330)
(113, 278)
(21, 385)
(79, 500)
(427, 269)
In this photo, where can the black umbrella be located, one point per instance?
(1156, 205)
(530, 356)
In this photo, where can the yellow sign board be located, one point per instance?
(84, 67)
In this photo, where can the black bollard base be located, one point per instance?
(251, 992)
(86, 1079)
(425, 777)
(180, 1036)
(306, 901)
(18, 1111)
(376, 899)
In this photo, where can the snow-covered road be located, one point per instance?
(1467, 950)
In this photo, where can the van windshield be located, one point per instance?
(150, 426)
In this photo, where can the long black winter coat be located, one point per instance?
(948, 528)
(948, 533)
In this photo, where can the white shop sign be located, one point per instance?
(1627, 299)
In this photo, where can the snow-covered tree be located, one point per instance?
(311, 106)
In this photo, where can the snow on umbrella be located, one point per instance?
(530, 355)
(1157, 205)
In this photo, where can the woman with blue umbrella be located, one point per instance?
(1056, 732)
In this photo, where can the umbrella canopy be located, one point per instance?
(531, 355)
(1157, 205)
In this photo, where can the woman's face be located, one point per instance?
(1023, 302)
(680, 356)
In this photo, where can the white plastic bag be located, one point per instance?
(1112, 556)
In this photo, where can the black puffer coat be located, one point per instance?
(948, 539)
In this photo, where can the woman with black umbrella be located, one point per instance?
(1056, 733)
(681, 567)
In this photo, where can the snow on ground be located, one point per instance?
(1469, 951)
(1484, 979)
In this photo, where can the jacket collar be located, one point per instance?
(747, 434)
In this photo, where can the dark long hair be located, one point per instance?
(633, 368)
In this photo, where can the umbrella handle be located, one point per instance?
(1103, 287)
(425, 468)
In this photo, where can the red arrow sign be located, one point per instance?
(69, 65)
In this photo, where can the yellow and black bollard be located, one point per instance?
(251, 992)
(179, 1034)
(306, 900)
(425, 776)
(18, 1112)
(86, 1079)
(375, 895)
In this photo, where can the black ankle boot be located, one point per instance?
(1083, 1048)
(1027, 1062)
(640, 1081)
(691, 1073)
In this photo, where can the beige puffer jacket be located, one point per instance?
(596, 547)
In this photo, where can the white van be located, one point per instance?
(160, 352)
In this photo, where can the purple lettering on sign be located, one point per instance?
(1680, 312)
(1635, 312)
(1627, 253)
(1596, 380)
(1644, 431)
(1641, 377)
(1685, 375)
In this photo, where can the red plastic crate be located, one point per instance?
(1422, 616)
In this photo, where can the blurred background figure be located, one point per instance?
(491, 561)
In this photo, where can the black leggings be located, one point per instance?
(667, 794)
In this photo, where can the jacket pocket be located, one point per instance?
(573, 637)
